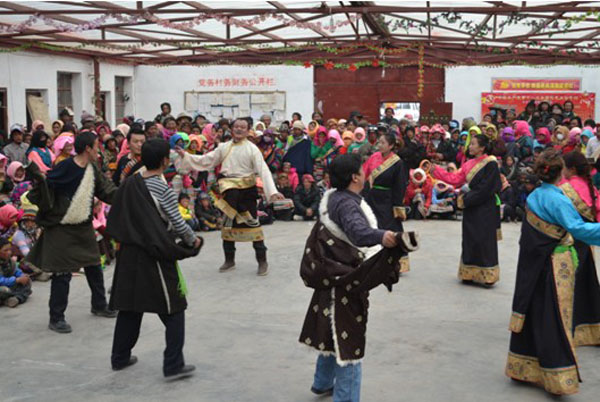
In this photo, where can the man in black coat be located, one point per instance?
(307, 198)
(147, 277)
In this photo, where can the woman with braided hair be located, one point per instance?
(542, 348)
(479, 178)
(578, 186)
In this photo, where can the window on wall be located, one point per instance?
(3, 111)
(64, 89)
(120, 100)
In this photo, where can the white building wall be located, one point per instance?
(108, 72)
(154, 85)
(29, 70)
(464, 85)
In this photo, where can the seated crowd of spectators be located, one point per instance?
(298, 156)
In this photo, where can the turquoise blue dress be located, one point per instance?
(550, 204)
(542, 347)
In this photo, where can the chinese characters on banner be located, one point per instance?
(584, 103)
(242, 82)
(517, 84)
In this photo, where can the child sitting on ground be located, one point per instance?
(418, 194)
(15, 286)
(283, 186)
(291, 174)
(9, 216)
(443, 201)
(186, 212)
(283, 210)
(263, 209)
(24, 239)
(209, 216)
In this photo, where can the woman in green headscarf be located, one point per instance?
(497, 143)
(472, 131)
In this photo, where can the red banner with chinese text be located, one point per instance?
(518, 84)
(584, 103)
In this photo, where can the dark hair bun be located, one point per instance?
(549, 165)
(484, 142)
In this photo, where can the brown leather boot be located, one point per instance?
(263, 266)
(229, 264)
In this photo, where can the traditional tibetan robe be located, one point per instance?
(65, 198)
(241, 163)
(586, 314)
(542, 348)
(387, 179)
(341, 275)
(481, 218)
(147, 277)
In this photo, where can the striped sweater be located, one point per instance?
(167, 200)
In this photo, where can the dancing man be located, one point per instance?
(343, 260)
(68, 242)
(241, 162)
(147, 277)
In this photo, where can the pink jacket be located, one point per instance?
(293, 178)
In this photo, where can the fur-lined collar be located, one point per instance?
(80, 209)
(339, 233)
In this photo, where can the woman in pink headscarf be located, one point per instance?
(16, 172)
(523, 139)
(336, 145)
(335, 138)
(543, 136)
(63, 148)
(103, 128)
(209, 133)
(9, 215)
(574, 141)
(521, 128)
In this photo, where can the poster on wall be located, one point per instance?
(583, 102)
(216, 105)
(530, 84)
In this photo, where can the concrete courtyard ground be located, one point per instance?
(431, 339)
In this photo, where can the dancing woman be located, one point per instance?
(481, 216)
(577, 185)
(385, 187)
(542, 350)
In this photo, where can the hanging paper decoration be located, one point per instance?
(421, 71)
(165, 23)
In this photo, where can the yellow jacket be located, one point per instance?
(186, 214)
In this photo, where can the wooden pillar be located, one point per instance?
(97, 100)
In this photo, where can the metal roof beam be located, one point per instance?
(291, 14)
(504, 9)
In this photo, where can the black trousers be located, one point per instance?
(127, 331)
(59, 291)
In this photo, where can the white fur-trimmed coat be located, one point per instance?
(341, 275)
